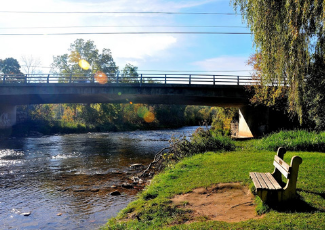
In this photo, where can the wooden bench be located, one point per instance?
(270, 187)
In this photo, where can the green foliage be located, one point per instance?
(289, 37)
(203, 140)
(222, 120)
(297, 140)
(315, 97)
(9, 66)
(130, 74)
(173, 115)
(195, 115)
(89, 114)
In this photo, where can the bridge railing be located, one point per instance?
(188, 79)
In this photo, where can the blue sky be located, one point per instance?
(183, 52)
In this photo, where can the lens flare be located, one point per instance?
(149, 117)
(131, 102)
(119, 93)
(101, 77)
(142, 111)
(84, 64)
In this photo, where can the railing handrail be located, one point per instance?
(155, 78)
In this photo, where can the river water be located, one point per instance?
(65, 181)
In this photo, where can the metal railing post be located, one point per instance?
(70, 77)
(141, 80)
(117, 78)
(48, 78)
(237, 80)
(214, 80)
(165, 79)
(189, 80)
(4, 79)
(26, 78)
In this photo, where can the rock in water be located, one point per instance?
(26, 213)
(115, 193)
(127, 185)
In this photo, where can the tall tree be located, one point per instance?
(9, 66)
(130, 74)
(30, 64)
(84, 58)
(288, 35)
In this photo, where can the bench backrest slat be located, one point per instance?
(282, 166)
(282, 163)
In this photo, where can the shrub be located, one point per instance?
(203, 140)
(297, 140)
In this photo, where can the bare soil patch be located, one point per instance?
(229, 202)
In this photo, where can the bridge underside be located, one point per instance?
(209, 95)
(230, 96)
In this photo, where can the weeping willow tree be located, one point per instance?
(289, 36)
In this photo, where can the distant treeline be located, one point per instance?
(72, 118)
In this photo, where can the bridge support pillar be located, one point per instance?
(7, 116)
(253, 121)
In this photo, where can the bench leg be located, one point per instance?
(262, 193)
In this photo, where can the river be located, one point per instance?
(65, 181)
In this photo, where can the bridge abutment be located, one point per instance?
(7, 116)
(253, 121)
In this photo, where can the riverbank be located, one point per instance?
(154, 208)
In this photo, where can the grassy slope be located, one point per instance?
(155, 211)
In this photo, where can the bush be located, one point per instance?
(297, 140)
(203, 140)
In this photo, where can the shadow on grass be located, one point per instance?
(297, 205)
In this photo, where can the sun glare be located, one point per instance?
(101, 77)
(149, 117)
(84, 64)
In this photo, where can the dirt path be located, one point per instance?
(229, 202)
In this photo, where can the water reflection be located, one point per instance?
(65, 181)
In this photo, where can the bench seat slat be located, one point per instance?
(255, 180)
(268, 183)
(258, 181)
(276, 185)
(260, 178)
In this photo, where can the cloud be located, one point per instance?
(127, 46)
(228, 65)
(139, 46)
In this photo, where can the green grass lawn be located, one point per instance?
(153, 209)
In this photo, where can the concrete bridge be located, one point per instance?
(211, 90)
